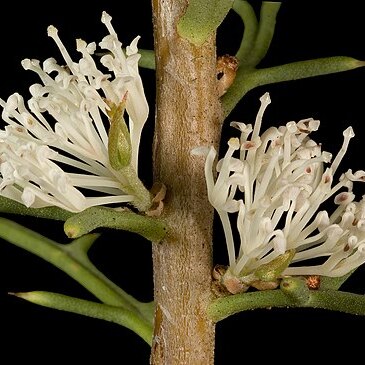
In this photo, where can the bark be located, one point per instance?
(188, 115)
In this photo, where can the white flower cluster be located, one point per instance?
(276, 187)
(56, 143)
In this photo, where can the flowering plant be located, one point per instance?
(291, 213)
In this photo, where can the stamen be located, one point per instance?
(282, 183)
(32, 149)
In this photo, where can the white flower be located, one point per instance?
(276, 187)
(54, 147)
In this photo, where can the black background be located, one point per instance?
(306, 29)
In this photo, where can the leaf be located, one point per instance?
(11, 206)
(153, 229)
(202, 18)
(124, 317)
(329, 283)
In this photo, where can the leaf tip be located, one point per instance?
(22, 295)
(72, 231)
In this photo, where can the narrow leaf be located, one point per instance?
(11, 206)
(328, 283)
(71, 259)
(247, 80)
(87, 308)
(153, 229)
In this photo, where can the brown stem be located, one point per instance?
(188, 115)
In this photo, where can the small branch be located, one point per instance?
(153, 229)
(13, 207)
(247, 80)
(248, 16)
(108, 313)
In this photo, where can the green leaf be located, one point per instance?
(153, 229)
(247, 80)
(72, 259)
(121, 316)
(11, 206)
(333, 300)
(328, 283)
(265, 33)
(248, 16)
(202, 18)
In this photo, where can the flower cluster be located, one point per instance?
(276, 187)
(54, 147)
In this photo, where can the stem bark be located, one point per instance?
(188, 115)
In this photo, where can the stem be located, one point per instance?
(248, 16)
(188, 115)
(247, 80)
(71, 259)
(108, 313)
(134, 186)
